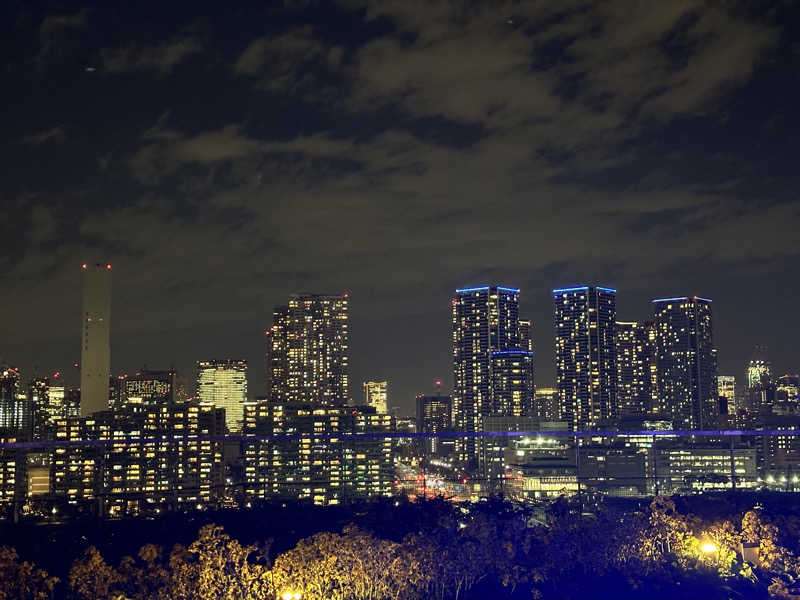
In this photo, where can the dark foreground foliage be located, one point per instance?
(669, 548)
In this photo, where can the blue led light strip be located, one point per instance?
(682, 298)
(472, 289)
(670, 299)
(494, 352)
(572, 289)
(581, 288)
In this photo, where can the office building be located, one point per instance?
(687, 366)
(485, 320)
(149, 388)
(315, 455)
(684, 469)
(375, 395)
(96, 342)
(308, 350)
(778, 455)
(586, 371)
(434, 416)
(220, 383)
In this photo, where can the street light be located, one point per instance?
(709, 548)
(291, 596)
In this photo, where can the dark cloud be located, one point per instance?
(159, 58)
(53, 28)
(56, 134)
(397, 153)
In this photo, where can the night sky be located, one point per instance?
(222, 157)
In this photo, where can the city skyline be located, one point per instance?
(528, 331)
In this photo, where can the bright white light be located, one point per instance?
(709, 548)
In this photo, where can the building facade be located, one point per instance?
(686, 359)
(376, 395)
(726, 392)
(16, 413)
(511, 383)
(586, 371)
(322, 454)
(434, 416)
(485, 320)
(547, 404)
(308, 350)
(223, 383)
(635, 358)
(95, 338)
(138, 461)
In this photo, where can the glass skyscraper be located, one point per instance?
(687, 364)
(586, 371)
(223, 383)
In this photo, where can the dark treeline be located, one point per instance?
(683, 547)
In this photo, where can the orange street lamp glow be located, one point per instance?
(291, 596)
(709, 548)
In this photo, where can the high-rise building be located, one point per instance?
(485, 320)
(308, 352)
(95, 332)
(223, 383)
(511, 383)
(325, 459)
(687, 365)
(15, 407)
(586, 370)
(726, 392)
(56, 397)
(526, 343)
(787, 388)
(434, 416)
(635, 366)
(375, 395)
(761, 392)
(758, 369)
(547, 404)
(39, 399)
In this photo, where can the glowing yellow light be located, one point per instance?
(291, 596)
(709, 548)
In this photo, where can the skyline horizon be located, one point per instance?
(259, 387)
